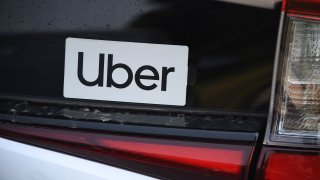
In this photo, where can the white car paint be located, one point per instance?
(25, 162)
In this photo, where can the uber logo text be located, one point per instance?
(112, 67)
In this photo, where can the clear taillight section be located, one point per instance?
(300, 99)
(294, 118)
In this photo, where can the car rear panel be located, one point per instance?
(155, 143)
(217, 134)
(230, 45)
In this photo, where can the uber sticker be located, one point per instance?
(125, 71)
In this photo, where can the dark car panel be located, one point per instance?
(230, 45)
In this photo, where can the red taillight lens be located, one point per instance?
(197, 159)
(279, 164)
(282, 166)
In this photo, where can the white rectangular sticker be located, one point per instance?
(125, 71)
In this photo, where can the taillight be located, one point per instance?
(168, 158)
(287, 163)
(294, 118)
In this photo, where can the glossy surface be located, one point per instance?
(156, 156)
(231, 46)
(295, 164)
(24, 162)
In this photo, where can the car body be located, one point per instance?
(224, 121)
